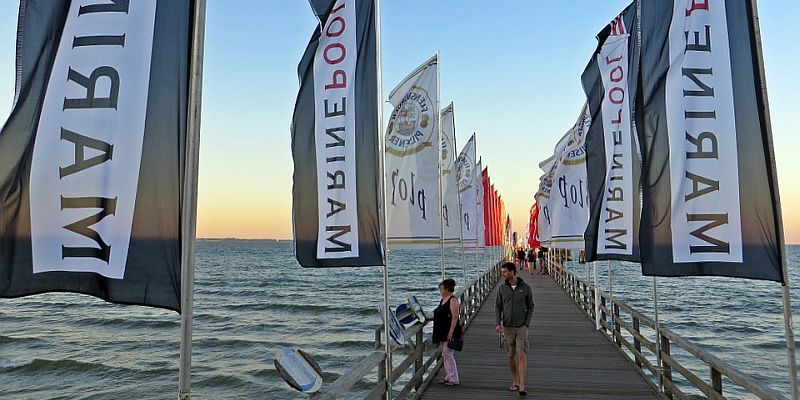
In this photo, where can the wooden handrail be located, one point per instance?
(346, 381)
(621, 328)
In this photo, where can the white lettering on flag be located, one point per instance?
(615, 228)
(88, 150)
(704, 179)
(335, 128)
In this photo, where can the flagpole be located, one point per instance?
(658, 338)
(476, 224)
(458, 196)
(439, 162)
(387, 367)
(611, 294)
(787, 303)
(189, 203)
(596, 297)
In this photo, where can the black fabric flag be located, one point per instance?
(709, 186)
(337, 191)
(92, 156)
(613, 161)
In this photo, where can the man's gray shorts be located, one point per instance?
(515, 340)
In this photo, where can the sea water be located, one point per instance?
(252, 298)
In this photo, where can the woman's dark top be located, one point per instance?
(442, 317)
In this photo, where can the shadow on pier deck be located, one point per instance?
(568, 358)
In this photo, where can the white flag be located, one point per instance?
(543, 200)
(412, 160)
(569, 197)
(480, 232)
(450, 222)
(469, 177)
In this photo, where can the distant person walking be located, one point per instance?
(531, 260)
(521, 258)
(445, 328)
(513, 312)
(542, 260)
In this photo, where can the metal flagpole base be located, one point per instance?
(787, 319)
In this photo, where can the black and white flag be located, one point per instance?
(337, 191)
(709, 188)
(92, 156)
(613, 161)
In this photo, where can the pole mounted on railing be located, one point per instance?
(382, 184)
(659, 361)
(596, 297)
(787, 305)
(189, 206)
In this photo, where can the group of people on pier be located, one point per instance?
(513, 312)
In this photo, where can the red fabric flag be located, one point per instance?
(486, 207)
(494, 216)
(533, 231)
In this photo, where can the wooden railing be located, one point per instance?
(420, 352)
(626, 333)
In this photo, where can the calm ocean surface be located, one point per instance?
(252, 298)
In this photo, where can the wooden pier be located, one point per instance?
(568, 358)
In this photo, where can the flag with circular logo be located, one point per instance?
(413, 160)
(465, 172)
(450, 204)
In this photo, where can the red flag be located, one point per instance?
(533, 231)
(487, 215)
(494, 216)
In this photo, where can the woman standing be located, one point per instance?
(445, 327)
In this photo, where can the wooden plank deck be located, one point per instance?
(568, 359)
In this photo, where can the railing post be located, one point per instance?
(603, 312)
(716, 380)
(571, 283)
(382, 365)
(666, 369)
(617, 327)
(420, 357)
(584, 297)
(587, 302)
(636, 343)
(587, 298)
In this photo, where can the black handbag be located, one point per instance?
(456, 344)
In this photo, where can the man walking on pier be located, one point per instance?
(513, 312)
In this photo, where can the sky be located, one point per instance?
(511, 67)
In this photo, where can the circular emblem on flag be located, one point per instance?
(464, 172)
(412, 123)
(446, 154)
